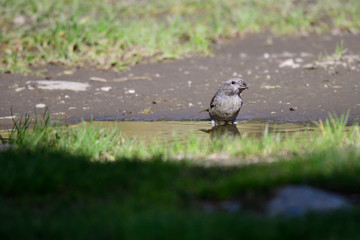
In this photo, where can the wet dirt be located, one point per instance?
(285, 84)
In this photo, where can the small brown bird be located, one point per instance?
(226, 104)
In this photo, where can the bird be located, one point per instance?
(227, 102)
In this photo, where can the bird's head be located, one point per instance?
(233, 86)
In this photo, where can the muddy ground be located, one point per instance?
(285, 84)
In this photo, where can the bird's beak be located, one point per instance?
(243, 87)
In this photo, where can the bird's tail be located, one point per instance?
(205, 110)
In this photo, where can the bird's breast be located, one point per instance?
(226, 108)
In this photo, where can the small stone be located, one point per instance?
(40, 105)
(266, 55)
(7, 117)
(19, 89)
(243, 55)
(98, 79)
(309, 66)
(5, 146)
(59, 113)
(131, 91)
(19, 20)
(106, 89)
(59, 85)
(305, 54)
(289, 63)
(68, 72)
(299, 200)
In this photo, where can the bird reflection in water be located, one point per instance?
(223, 130)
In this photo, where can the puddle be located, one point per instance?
(182, 129)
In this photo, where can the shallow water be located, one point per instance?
(182, 129)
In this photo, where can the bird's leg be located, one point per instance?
(213, 123)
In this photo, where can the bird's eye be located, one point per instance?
(233, 82)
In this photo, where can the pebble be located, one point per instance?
(19, 20)
(40, 105)
(98, 79)
(289, 63)
(243, 55)
(59, 113)
(106, 89)
(5, 146)
(19, 89)
(7, 117)
(299, 200)
(59, 85)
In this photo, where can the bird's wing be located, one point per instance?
(212, 104)
(215, 101)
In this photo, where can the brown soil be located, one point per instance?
(284, 84)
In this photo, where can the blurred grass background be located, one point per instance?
(113, 34)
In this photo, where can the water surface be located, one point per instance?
(182, 129)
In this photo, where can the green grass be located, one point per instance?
(87, 182)
(104, 144)
(337, 55)
(115, 34)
